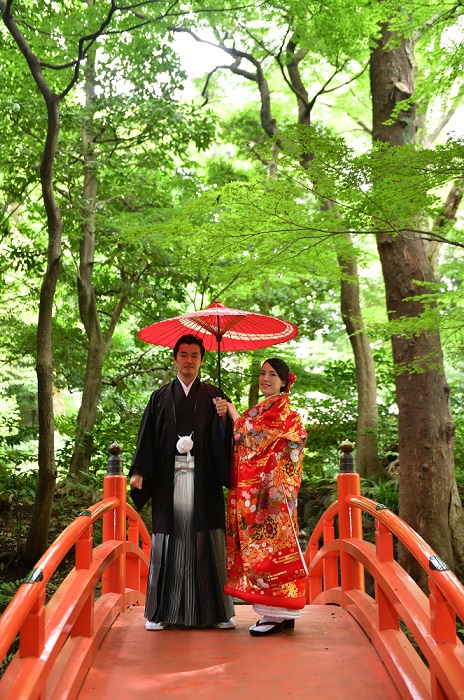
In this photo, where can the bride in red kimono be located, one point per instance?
(265, 565)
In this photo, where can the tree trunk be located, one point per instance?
(367, 457)
(367, 453)
(98, 345)
(83, 445)
(425, 426)
(37, 538)
(98, 342)
(367, 449)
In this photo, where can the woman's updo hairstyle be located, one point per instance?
(282, 370)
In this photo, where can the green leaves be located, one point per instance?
(185, 209)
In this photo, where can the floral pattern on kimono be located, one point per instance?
(264, 560)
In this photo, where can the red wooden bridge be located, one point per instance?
(89, 640)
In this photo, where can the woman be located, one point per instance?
(265, 566)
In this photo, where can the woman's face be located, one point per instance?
(269, 381)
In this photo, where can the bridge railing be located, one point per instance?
(58, 640)
(414, 634)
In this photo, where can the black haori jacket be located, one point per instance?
(156, 450)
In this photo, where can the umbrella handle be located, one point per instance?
(219, 338)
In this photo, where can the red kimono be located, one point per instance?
(264, 560)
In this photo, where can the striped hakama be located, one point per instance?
(187, 569)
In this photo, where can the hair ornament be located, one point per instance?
(290, 380)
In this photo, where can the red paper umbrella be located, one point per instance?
(221, 328)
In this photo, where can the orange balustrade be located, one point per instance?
(415, 636)
(58, 640)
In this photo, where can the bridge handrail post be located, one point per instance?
(387, 616)
(329, 564)
(442, 616)
(114, 522)
(84, 624)
(134, 578)
(383, 542)
(349, 518)
(32, 636)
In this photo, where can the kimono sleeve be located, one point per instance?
(144, 455)
(221, 443)
(140, 497)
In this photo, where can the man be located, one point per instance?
(182, 462)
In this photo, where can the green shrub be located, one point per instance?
(385, 492)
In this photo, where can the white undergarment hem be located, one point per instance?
(271, 611)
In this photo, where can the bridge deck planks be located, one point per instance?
(326, 657)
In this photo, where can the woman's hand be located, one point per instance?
(136, 481)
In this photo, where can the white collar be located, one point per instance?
(185, 387)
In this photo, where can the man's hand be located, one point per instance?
(136, 481)
(221, 406)
(224, 408)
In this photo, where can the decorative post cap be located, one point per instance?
(115, 461)
(347, 459)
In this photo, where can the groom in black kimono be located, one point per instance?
(181, 462)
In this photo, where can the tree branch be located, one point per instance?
(444, 119)
(436, 19)
(445, 217)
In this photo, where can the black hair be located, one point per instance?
(189, 339)
(281, 368)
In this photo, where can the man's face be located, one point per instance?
(188, 362)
